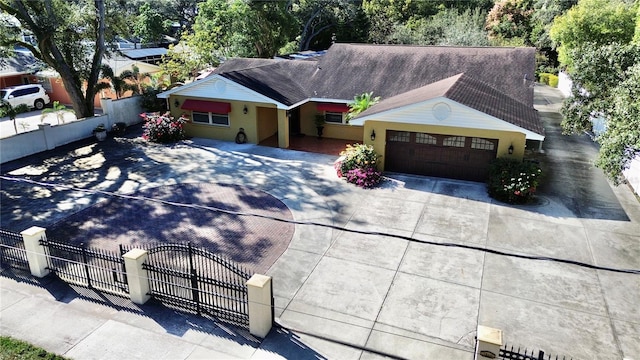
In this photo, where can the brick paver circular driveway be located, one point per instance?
(254, 242)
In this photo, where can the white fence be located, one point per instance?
(632, 174)
(48, 137)
(564, 84)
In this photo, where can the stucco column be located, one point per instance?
(137, 278)
(489, 342)
(36, 253)
(283, 129)
(260, 314)
(46, 129)
(107, 105)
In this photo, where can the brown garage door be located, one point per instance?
(449, 156)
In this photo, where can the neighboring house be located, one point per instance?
(148, 55)
(20, 70)
(444, 110)
(57, 92)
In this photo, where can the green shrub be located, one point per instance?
(548, 79)
(544, 78)
(358, 165)
(513, 181)
(162, 128)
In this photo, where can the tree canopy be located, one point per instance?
(70, 37)
(597, 22)
(150, 26)
(604, 88)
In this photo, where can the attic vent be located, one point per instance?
(441, 111)
(220, 86)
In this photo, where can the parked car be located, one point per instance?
(33, 95)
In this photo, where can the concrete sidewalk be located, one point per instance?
(383, 293)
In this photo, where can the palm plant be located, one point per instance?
(12, 112)
(58, 110)
(361, 103)
(128, 80)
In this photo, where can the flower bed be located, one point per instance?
(513, 181)
(162, 128)
(358, 165)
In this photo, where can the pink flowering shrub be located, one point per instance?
(358, 165)
(365, 178)
(162, 128)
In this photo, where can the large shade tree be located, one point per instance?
(605, 86)
(598, 22)
(70, 37)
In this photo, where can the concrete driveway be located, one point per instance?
(389, 291)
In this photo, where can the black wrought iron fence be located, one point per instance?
(12, 251)
(199, 281)
(181, 276)
(512, 353)
(90, 267)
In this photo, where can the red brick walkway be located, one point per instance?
(251, 241)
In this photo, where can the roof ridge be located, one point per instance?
(435, 46)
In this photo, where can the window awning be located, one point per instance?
(216, 107)
(332, 107)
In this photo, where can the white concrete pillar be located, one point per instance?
(489, 342)
(36, 253)
(260, 313)
(137, 278)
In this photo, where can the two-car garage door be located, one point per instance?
(450, 156)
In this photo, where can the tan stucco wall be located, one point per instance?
(336, 131)
(237, 119)
(505, 138)
(267, 122)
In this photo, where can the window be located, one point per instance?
(422, 138)
(400, 136)
(455, 141)
(333, 117)
(210, 118)
(482, 144)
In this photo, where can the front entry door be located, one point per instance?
(294, 121)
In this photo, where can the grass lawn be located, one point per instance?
(12, 349)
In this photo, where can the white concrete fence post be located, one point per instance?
(260, 313)
(36, 253)
(137, 278)
(489, 342)
(46, 130)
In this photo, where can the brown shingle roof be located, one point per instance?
(347, 70)
(280, 80)
(470, 92)
(388, 70)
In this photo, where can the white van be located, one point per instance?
(32, 95)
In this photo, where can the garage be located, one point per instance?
(450, 156)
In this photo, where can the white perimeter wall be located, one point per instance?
(49, 137)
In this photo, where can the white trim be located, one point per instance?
(334, 101)
(387, 116)
(217, 77)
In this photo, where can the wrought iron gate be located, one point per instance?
(12, 251)
(199, 281)
(511, 353)
(93, 268)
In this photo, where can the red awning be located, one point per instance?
(207, 106)
(331, 107)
